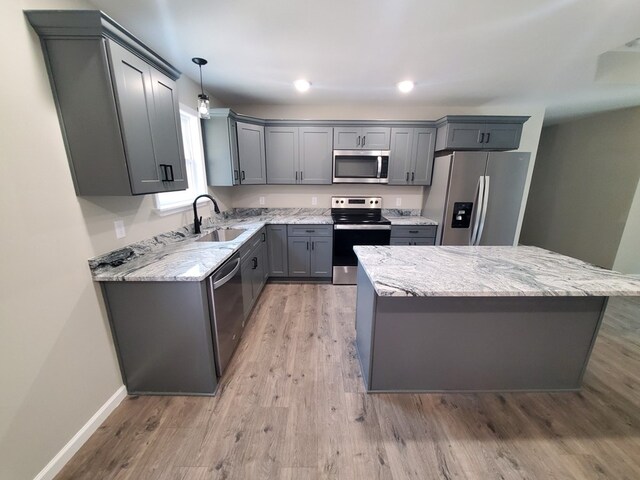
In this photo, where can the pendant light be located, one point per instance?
(203, 98)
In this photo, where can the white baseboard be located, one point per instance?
(69, 450)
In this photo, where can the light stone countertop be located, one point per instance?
(463, 271)
(176, 257)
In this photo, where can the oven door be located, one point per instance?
(345, 237)
(360, 166)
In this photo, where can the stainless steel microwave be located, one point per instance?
(361, 166)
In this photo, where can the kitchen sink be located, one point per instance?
(223, 235)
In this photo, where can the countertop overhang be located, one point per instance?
(501, 271)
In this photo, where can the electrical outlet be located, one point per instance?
(398, 202)
(120, 231)
(261, 200)
(314, 200)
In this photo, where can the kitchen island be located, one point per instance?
(459, 318)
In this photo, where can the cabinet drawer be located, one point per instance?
(255, 241)
(413, 241)
(310, 230)
(414, 231)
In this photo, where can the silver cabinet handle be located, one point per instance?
(481, 138)
(358, 140)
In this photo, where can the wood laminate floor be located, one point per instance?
(292, 406)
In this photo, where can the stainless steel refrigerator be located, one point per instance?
(476, 197)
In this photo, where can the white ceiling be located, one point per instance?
(459, 52)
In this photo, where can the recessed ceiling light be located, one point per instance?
(406, 86)
(302, 85)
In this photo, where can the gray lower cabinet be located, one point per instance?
(411, 159)
(251, 154)
(117, 103)
(299, 155)
(413, 235)
(361, 138)
(254, 269)
(277, 250)
(310, 250)
(458, 132)
(156, 352)
(220, 142)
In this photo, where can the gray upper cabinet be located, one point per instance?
(220, 141)
(460, 132)
(251, 154)
(282, 155)
(117, 103)
(316, 155)
(361, 138)
(411, 160)
(299, 155)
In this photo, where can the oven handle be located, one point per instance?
(361, 227)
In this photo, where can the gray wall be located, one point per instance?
(583, 186)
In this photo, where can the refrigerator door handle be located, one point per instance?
(485, 202)
(477, 202)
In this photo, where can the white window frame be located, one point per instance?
(173, 202)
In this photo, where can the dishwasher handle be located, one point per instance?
(217, 283)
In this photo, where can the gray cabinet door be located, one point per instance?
(220, 142)
(134, 96)
(298, 255)
(401, 155)
(167, 132)
(316, 155)
(423, 148)
(375, 138)
(251, 154)
(277, 250)
(246, 273)
(282, 155)
(346, 138)
(321, 256)
(464, 136)
(504, 136)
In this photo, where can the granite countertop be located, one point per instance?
(176, 257)
(452, 271)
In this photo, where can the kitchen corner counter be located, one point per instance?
(462, 271)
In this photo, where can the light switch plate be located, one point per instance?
(261, 200)
(120, 231)
(314, 200)
(398, 201)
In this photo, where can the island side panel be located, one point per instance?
(365, 311)
(483, 343)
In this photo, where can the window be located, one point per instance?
(170, 202)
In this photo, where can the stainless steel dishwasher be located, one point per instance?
(225, 293)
